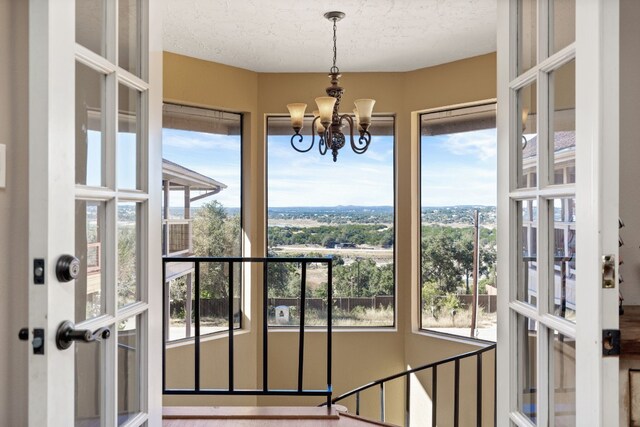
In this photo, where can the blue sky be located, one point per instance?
(215, 156)
(310, 179)
(456, 169)
(459, 169)
(127, 159)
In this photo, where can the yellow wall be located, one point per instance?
(362, 356)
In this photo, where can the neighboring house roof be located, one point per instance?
(179, 175)
(563, 140)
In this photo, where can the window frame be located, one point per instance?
(482, 106)
(394, 133)
(241, 324)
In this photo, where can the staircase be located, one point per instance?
(265, 416)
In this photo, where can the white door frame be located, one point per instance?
(596, 191)
(52, 193)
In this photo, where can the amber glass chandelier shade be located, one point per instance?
(297, 114)
(357, 116)
(319, 127)
(325, 107)
(365, 109)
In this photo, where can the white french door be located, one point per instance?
(558, 211)
(94, 165)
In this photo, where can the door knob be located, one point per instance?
(67, 334)
(67, 268)
(23, 334)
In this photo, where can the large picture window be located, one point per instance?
(458, 190)
(317, 207)
(202, 214)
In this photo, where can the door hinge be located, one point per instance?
(611, 342)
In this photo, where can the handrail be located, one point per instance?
(264, 390)
(412, 371)
(433, 365)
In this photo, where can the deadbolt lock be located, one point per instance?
(67, 268)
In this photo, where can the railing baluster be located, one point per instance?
(231, 326)
(358, 403)
(197, 338)
(265, 327)
(382, 402)
(479, 390)
(329, 329)
(456, 402)
(407, 400)
(434, 396)
(303, 297)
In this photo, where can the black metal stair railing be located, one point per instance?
(265, 390)
(478, 354)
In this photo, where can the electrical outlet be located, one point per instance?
(3, 165)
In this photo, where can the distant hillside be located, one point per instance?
(335, 214)
(462, 214)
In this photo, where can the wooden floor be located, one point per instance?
(239, 416)
(630, 332)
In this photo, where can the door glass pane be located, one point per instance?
(527, 363)
(89, 126)
(90, 250)
(563, 250)
(90, 25)
(129, 35)
(128, 249)
(128, 160)
(563, 26)
(562, 364)
(128, 369)
(527, 34)
(88, 384)
(562, 132)
(527, 137)
(528, 241)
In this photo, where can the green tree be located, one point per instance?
(216, 234)
(439, 261)
(127, 265)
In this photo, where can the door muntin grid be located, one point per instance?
(120, 144)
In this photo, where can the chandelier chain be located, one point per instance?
(334, 69)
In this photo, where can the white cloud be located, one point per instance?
(200, 141)
(479, 144)
(463, 185)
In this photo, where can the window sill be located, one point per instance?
(453, 338)
(335, 329)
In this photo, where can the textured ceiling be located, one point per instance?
(293, 36)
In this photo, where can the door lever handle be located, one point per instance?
(67, 334)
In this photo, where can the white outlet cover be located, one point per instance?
(3, 165)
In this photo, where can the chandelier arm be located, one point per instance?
(363, 142)
(328, 137)
(322, 145)
(349, 120)
(300, 138)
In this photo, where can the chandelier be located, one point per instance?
(328, 122)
